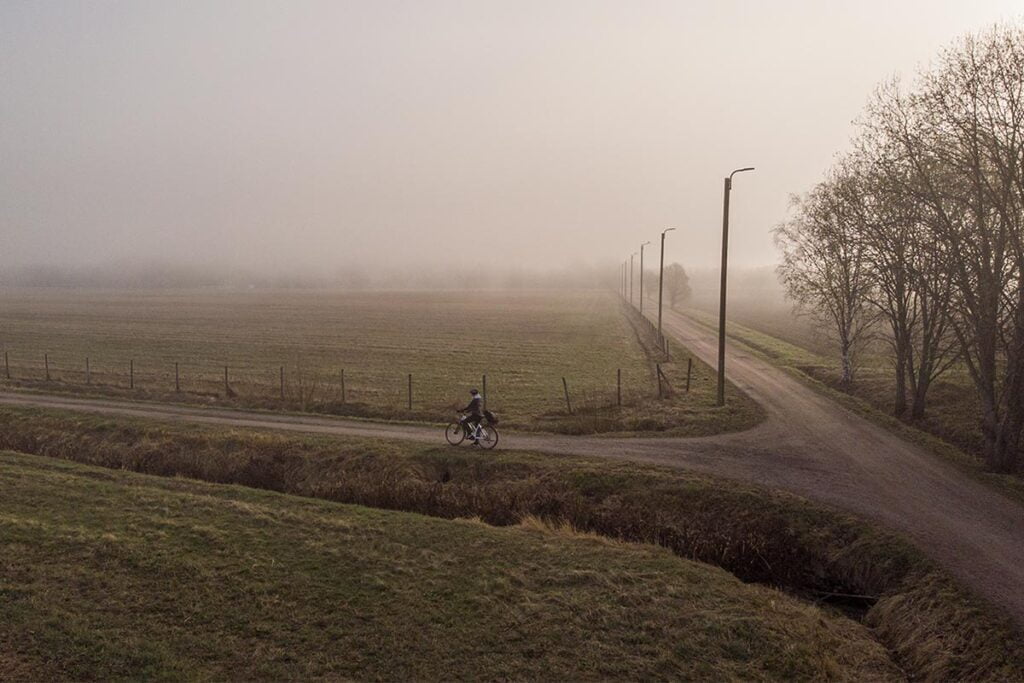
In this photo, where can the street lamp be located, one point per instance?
(642, 277)
(721, 303)
(661, 278)
(631, 278)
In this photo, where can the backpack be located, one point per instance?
(490, 417)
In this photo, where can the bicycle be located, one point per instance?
(486, 435)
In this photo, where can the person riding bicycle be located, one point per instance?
(474, 414)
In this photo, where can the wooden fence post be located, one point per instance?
(565, 387)
(131, 374)
(227, 389)
(618, 386)
(485, 392)
(46, 364)
(410, 391)
(7, 365)
(88, 373)
(689, 366)
(658, 368)
(343, 385)
(177, 380)
(282, 382)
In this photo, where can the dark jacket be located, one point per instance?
(475, 407)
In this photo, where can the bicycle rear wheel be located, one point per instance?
(454, 433)
(488, 437)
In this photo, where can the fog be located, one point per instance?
(334, 140)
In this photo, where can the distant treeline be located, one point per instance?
(361, 278)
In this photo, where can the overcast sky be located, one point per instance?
(314, 134)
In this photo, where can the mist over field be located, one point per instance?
(158, 275)
(336, 141)
(576, 340)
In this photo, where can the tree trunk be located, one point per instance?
(900, 401)
(1009, 461)
(1003, 445)
(847, 378)
(1002, 432)
(920, 398)
(1001, 449)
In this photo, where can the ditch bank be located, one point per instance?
(933, 628)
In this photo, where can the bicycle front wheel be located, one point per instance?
(488, 437)
(455, 434)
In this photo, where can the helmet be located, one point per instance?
(474, 392)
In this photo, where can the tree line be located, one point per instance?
(916, 233)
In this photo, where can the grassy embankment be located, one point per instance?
(951, 428)
(525, 342)
(931, 626)
(111, 574)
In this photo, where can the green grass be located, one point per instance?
(524, 342)
(114, 575)
(932, 627)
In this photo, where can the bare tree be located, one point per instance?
(909, 287)
(823, 268)
(960, 135)
(677, 284)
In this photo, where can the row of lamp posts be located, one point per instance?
(661, 272)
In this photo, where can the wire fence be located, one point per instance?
(291, 385)
(346, 390)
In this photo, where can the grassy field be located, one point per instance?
(524, 342)
(109, 575)
(931, 627)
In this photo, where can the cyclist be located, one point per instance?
(474, 415)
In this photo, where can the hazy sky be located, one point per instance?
(320, 133)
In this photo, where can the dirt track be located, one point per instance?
(808, 445)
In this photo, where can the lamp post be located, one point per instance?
(642, 276)
(631, 278)
(661, 278)
(721, 303)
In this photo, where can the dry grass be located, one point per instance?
(935, 628)
(525, 342)
(114, 575)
